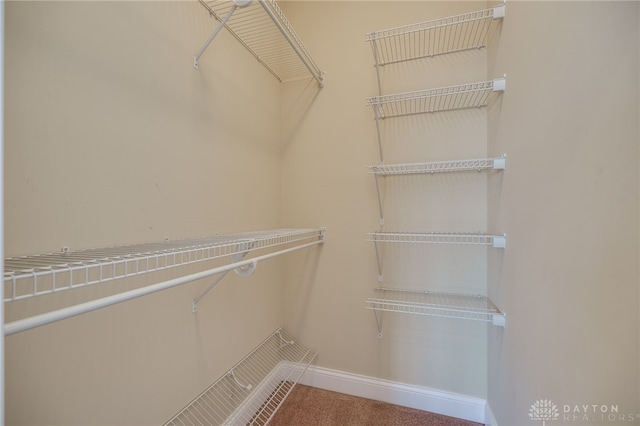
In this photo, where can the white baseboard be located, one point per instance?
(489, 418)
(427, 399)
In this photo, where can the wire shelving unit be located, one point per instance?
(461, 96)
(473, 307)
(382, 170)
(435, 37)
(30, 276)
(459, 238)
(251, 392)
(406, 43)
(496, 241)
(497, 163)
(264, 30)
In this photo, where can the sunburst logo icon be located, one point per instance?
(543, 409)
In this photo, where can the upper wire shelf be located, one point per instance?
(497, 163)
(462, 96)
(434, 37)
(496, 241)
(29, 276)
(264, 30)
(449, 305)
(251, 392)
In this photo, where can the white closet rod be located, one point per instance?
(53, 316)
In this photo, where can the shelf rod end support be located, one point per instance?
(500, 84)
(500, 163)
(500, 241)
(500, 320)
(499, 11)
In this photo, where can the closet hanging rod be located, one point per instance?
(263, 29)
(35, 275)
(82, 308)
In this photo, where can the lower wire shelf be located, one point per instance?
(449, 305)
(251, 392)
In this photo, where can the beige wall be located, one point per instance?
(112, 138)
(569, 204)
(325, 180)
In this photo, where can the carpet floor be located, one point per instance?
(308, 406)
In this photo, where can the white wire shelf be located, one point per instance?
(497, 163)
(383, 237)
(435, 37)
(29, 276)
(383, 170)
(263, 29)
(497, 241)
(472, 307)
(462, 96)
(251, 392)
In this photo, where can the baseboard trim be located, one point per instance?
(427, 399)
(489, 418)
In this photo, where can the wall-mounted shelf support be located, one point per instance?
(447, 305)
(252, 390)
(263, 29)
(223, 22)
(242, 250)
(382, 170)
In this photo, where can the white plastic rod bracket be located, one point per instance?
(499, 11)
(500, 163)
(283, 341)
(500, 320)
(500, 241)
(500, 84)
(235, 380)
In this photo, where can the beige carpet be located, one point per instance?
(308, 406)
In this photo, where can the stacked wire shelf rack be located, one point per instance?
(407, 43)
(251, 392)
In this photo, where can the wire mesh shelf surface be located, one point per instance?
(277, 47)
(29, 276)
(434, 37)
(462, 96)
(438, 166)
(448, 305)
(437, 238)
(251, 392)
